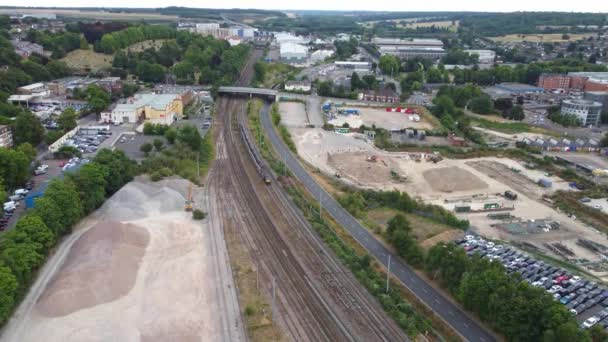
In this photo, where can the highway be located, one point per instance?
(452, 314)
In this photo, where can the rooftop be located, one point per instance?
(156, 101)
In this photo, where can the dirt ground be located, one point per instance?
(138, 269)
(540, 38)
(381, 118)
(453, 182)
(81, 59)
(293, 114)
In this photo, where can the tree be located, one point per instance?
(35, 231)
(482, 105)
(90, 181)
(434, 75)
(28, 150)
(8, 292)
(146, 148)
(171, 135)
(67, 119)
(15, 167)
(158, 144)
(66, 198)
(517, 113)
(189, 135)
(27, 129)
(120, 169)
(50, 213)
(389, 64)
(97, 97)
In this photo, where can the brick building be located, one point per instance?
(385, 94)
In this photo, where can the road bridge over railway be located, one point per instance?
(250, 92)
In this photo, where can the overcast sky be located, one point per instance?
(378, 5)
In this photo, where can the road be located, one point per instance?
(447, 310)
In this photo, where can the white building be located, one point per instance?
(485, 56)
(360, 66)
(587, 111)
(303, 86)
(286, 37)
(409, 48)
(292, 52)
(320, 55)
(154, 108)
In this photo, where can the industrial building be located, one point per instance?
(587, 111)
(575, 81)
(6, 136)
(321, 55)
(293, 52)
(385, 94)
(410, 48)
(598, 96)
(485, 56)
(303, 86)
(518, 88)
(154, 108)
(358, 66)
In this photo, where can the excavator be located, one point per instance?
(189, 201)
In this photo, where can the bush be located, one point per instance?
(155, 129)
(66, 152)
(249, 310)
(198, 214)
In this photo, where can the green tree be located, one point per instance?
(33, 229)
(146, 148)
(46, 208)
(482, 105)
(15, 167)
(90, 181)
(389, 64)
(98, 98)
(28, 129)
(158, 144)
(8, 292)
(120, 169)
(28, 150)
(66, 198)
(67, 119)
(171, 135)
(189, 135)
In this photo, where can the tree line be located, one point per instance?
(515, 309)
(190, 59)
(112, 42)
(24, 249)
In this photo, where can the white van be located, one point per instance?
(21, 192)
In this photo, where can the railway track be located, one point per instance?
(317, 298)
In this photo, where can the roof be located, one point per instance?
(19, 98)
(32, 86)
(293, 48)
(156, 101)
(352, 63)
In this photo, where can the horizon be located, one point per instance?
(344, 6)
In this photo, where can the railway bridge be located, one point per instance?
(267, 94)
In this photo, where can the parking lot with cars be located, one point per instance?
(583, 298)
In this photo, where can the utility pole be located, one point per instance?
(388, 273)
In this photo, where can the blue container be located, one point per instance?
(31, 198)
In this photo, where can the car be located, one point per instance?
(585, 200)
(469, 237)
(565, 299)
(591, 321)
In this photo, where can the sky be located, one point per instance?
(348, 5)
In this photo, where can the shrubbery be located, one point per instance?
(24, 249)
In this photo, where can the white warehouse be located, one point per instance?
(292, 52)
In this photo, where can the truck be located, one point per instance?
(510, 195)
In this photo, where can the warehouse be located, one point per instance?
(410, 48)
(292, 52)
(154, 108)
(360, 66)
(485, 56)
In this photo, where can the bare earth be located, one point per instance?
(449, 179)
(138, 269)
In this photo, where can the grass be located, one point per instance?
(511, 127)
(540, 38)
(146, 44)
(87, 59)
(283, 131)
(276, 73)
(422, 227)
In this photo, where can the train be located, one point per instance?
(259, 165)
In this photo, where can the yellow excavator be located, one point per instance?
(189, 201)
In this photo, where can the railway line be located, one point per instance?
(315, 297)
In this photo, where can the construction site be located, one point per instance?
(138, 268)
(504, 199)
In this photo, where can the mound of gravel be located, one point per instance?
(102, 266)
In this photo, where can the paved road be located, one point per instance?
(462, 323)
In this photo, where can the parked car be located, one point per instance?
(591, 321)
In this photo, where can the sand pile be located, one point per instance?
(101, 267)
(453, 178)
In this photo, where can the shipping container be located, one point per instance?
(462, 209)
